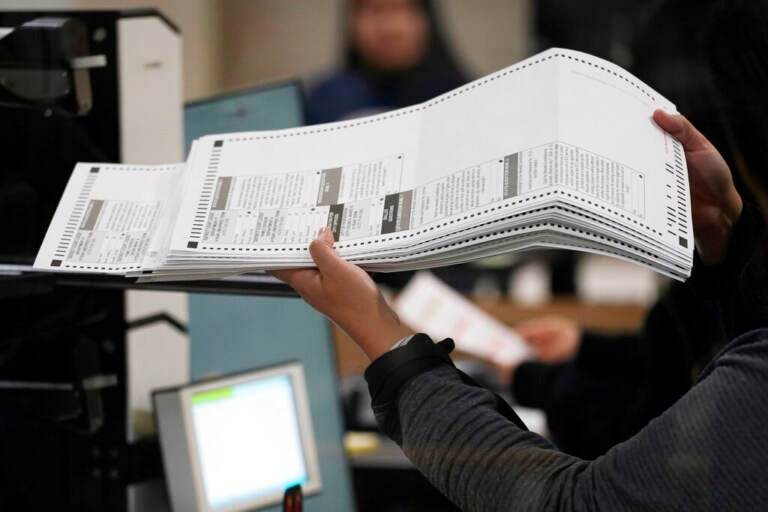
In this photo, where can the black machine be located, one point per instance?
(62, 348)
(46, 65)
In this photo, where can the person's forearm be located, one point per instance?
(458, 437)
(378, 331)
(474, 455)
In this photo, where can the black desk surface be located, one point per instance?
(14, 277)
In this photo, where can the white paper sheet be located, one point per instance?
(434, 308)
(108, 218)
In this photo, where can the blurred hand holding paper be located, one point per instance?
(430, 306)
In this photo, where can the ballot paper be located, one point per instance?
(557, 151)
(430, 306)
(111, 218)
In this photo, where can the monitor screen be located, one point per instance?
(239, 442)
(269, 107)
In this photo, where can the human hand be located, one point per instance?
(715, 203)
(552, 338)
(346, 294)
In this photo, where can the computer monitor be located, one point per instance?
(266, 107)
(237, 443)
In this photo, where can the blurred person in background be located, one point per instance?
(598, 390)
(395, 55)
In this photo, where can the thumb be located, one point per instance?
(681, 129)
(322, 252)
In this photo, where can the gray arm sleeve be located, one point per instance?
(707, 452)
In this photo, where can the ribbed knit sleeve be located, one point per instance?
(707, 452)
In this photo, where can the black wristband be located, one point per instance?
(387, 374)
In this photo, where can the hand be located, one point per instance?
(552, 338)
(348, 296)
(715, 203)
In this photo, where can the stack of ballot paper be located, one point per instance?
(557, 151)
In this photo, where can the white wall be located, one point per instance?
(271, 39)
(488, 34)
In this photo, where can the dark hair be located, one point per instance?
(736, 44)
(436, 73)
(710, 58)
(669, 55)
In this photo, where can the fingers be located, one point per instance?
(326, 235)
(681, 129)
(303, 280)
(322, 252)
(289, 275)
(306, 281)
(527, 330)
(538, 326)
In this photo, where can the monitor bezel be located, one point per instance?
(292, 369)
